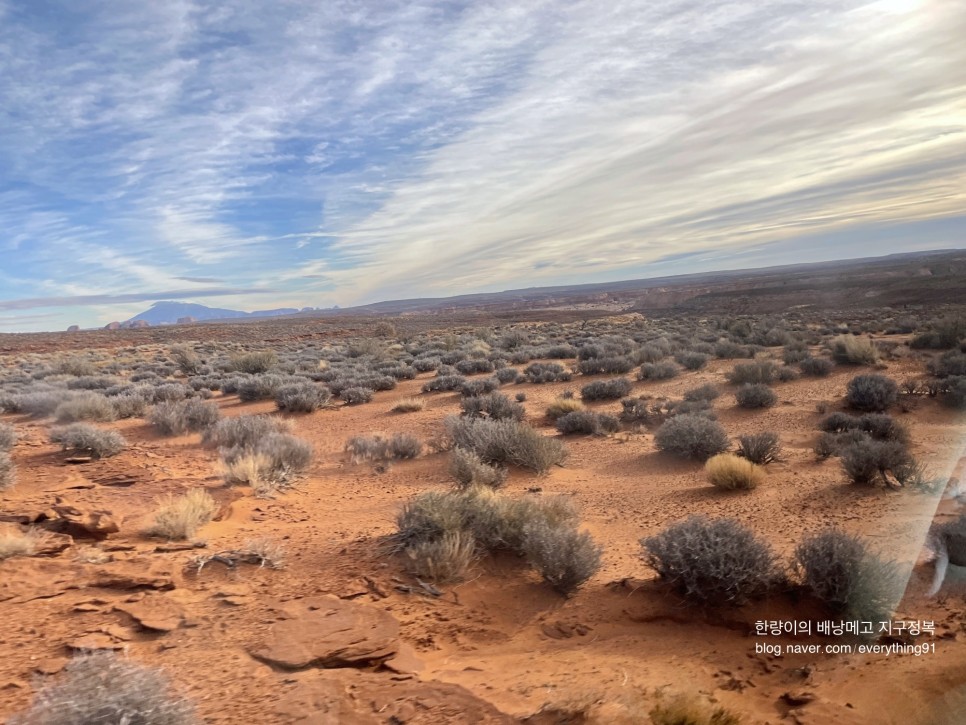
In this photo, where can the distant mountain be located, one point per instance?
(168, 313)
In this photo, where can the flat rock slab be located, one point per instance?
(155, 611)
(353, 697)
(328, 632)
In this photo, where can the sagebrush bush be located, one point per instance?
(104, 687)
(85, 406)
(713, 561)
(129, 406)
(955, 395)
(688, 709)
(638, 411)
(259, 387)
(760, 448)
(302, 397)
(663, 370)
(376, 447)
(505, 442)
(873, 393)
(733, 473)
(587, 422)
(8, 471)
(852, 350)
(270, 463)
(85, 438)
(183, 416)
(494, 405)
(755, 395)
(472, 388)
(474, 367)
(179, 517)
(708, 391)
(470, 470)
(564, 556)
(606, 389)
(614, 365)
(691, 360)
(243, 431)
(505, 376)
(356, 396)
(254, 363)
(444, 383)
(840, 571)
(444, 560)
(691, 435)
(952, 363)
(546, 373)
(867, 460)
(186, 359)
(758, 372)
(817, 367)
(8, 437)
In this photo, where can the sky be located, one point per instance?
(254, 155)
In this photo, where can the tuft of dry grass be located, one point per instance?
(733, 473)
(561, 406)
(852, 350)
(407, 405)
(445, 560)
(179, 517)
(15, 541)
(686, 709)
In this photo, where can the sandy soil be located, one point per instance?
(503, 635)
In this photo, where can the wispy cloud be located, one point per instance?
(35, 302)
(408, 148)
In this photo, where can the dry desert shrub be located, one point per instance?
(86, 438)
(254, 363)
(692, 435)
(546, 373)
(243, 431)
(356, 395)
(840, 571)
(708, 391)
(691, 360)
(8, 437)
(732, 473)
(470, 470)
(871, 393)
(443, 560)
(506, 442)
(586, 422)
(663, 370)
(758, 372)
(565, 557)
(755, 395)
(129, 406)
(379, 448)
(712, 561)
(760, 448)
(407, 405)
(183, 416)
(186, 359)
(259, 387)
(15, 541)
(103, 687)
(85, 406)
(865, 461)
(687, 709)
(817, 367)
(8, 471)
(179, 517)
(561, 406)
(606, 389)
(267, 465)
(852, 350)
(302, 397)
(493, 405)
(444, 383)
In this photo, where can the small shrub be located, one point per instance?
(733, 473)
(243, 431)
(955, 395)
(561, 406)
(587, 422)
(15, 541)
(617, 365)
(565, 557)
(103, 687)
(85, 406)
(952, 363)
(443, 560)
(186, 359)
(407, 405)
(685, 709)
(852, 350)
(474, 367)
(470, 470)
(269, 464)
(8, 471)
(837, 422)
(606, 389)
(520, 397)
(472, 388)
(129, 406)
(866, 460)
(840, 571)
(8, 437)
(708, 391)
(817, 367)
(506, 442)
(259, 387)
(753, 373)
(505, 376)
(254, 363)
(375, 447)
(873, 393)
(443, 383)
(184, 416)
(713, 561)
(755, 395)
(691, 436)
(546, 373)
(495, 405)
(85, 438)
(786, 374)
(658, 371)
(692, 360)
(302, 397)
(637, 411)
(760, 448)
(179, 517)
(356, 396)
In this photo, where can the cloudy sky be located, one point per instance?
(254, 154)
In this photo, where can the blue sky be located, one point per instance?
(251, 154)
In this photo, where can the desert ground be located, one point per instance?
(295, 599)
